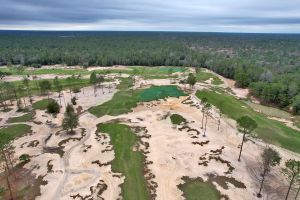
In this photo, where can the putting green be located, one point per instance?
(160, 92)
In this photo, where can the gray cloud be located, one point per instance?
(169, 15)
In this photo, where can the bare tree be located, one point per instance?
(203, 102)
(207, 108)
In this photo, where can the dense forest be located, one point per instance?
(269, 64)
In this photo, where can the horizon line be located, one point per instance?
(166, 31)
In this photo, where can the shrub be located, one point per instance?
(25, 158)
(73, 100)
(53, 107)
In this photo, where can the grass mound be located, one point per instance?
(127, 161)
(177, 119)
(9, 133)
(160, 92)
(24, 118)
(270, 131)
(197, 189)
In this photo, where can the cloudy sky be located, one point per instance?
(280, 16)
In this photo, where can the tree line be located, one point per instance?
(269, 64)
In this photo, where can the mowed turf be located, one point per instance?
(270, 131)
(196, 189)
(122, 102)
(155, 72)
(24, 118)
(42, 104)
(10, 132)
(128, 162)
(159, 92)
(125, 99)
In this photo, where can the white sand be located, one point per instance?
(171, 150)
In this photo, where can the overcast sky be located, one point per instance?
(279, 16)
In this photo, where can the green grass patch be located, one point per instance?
(270, 131)
(154, 72)
(66, 83)
(128, 162)
(42, 104)
(297, 124)
(177, 119)
(11, 132)
(204, 76)
(122, 102)
(61, 71)
(275, 112)
(196, 189)
(269, 111)
(160, 92)
(149, 76)
(24, 118)
(125, 99)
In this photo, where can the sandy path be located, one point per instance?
(66, 166)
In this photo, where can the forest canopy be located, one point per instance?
(269, 64)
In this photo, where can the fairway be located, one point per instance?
(127, 161)
(270, 131)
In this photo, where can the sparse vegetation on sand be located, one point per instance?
(177, 119)
(125, 99)
(61, 71)
(271, 131)
(127, 161)
(10, 132)
(34, 85)
(197, 189)
(24, 118)
(203, 76)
